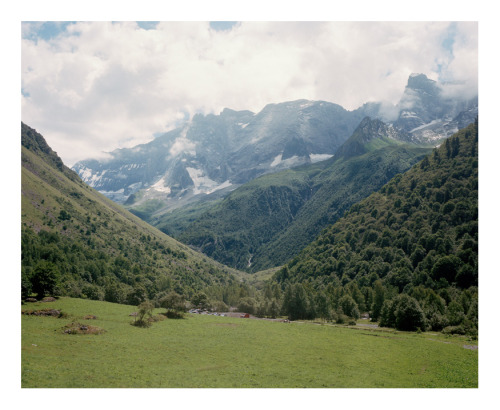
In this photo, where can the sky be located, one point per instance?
(93, 86)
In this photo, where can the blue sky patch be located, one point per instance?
(147, 25)
(46, 30)
(222, 25)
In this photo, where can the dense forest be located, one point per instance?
(409, 249)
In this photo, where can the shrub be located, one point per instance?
(408, 314)
(145, 311)
(437, 321)
(44, 279)
(171, 314)
(454, 330)
(341, 319)
(93, 292)
(200, 300)
(247, 305)
(219, 306)
(175, 305)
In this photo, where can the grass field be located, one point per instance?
(211, 351)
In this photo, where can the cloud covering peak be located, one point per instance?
(96, 86)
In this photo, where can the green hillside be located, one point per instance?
(266, 222)
(76, 242)
(417, 238)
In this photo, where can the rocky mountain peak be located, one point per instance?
(421, 82)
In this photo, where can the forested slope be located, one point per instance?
(78, 243)
(420, 228)
(407, 253)
(265, 223)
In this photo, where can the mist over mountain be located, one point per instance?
(214, 154)
(267, 221)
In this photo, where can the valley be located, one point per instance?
(379, 239)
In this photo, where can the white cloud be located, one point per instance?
(98, 85)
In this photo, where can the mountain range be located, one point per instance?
(211, 155)
(267, 221)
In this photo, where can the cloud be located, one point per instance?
(101, 85)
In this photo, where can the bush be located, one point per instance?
(437, 322)
(137, 295)
(247, 305)
(93, 292)
(44, 279)
(171, 314)
(200, 301)
(219, 306)
(145, 313)
(173, 302)
(455, 313)
(340, 318)
(408, 314)
(454, 330)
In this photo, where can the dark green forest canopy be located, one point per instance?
(420, 229)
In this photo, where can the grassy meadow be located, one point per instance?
(212, 351)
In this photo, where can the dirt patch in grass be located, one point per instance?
(470, 347)
(76, 328)
(90, 317)
(44, 312)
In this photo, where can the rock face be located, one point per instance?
(220, 152)
(369, 131)
(213, 154)
(428, 115)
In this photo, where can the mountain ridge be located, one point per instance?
(94, 246)
(265, 222)
(217, 153)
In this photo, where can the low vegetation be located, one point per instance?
(214, 351)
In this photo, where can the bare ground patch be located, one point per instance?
(44, 312)
(76, 328)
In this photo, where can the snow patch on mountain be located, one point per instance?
(430, 124)
(160, 186)
(277, 160)
(202, 183)
(319, 157)
(90, 178)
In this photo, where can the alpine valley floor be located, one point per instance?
(202, 351)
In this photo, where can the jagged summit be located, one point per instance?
(366, 132)
(214, 154)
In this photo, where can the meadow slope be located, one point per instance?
(211, 351)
